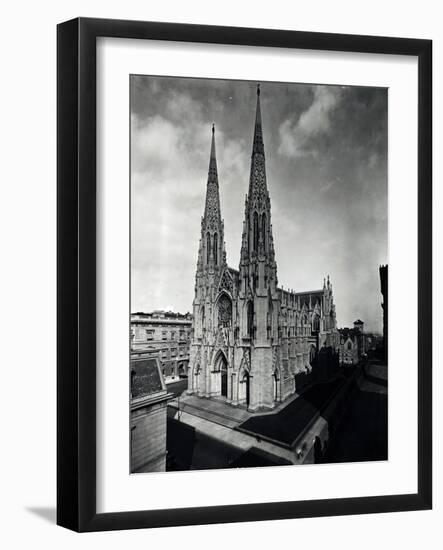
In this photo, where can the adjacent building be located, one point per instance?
(149, 399)
(251, 338)
(353, 343)
(166, 335)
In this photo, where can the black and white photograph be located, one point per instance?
(259, 273)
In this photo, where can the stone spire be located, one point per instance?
(258, 192)
(257, 256)
(258, 146)
(212, 251)
(212, 215)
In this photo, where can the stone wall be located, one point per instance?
(148, 438)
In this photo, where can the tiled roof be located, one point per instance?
(145, 377)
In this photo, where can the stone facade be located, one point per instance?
(252, 340)
(149, 399)
(353, 344)
(166, 335)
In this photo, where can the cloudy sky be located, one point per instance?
(326, 163)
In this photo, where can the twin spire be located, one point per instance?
(212, 206)
(258, 146)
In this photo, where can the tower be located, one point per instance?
(258, 299)
(211, 264)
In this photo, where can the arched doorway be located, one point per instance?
(221, 370)
(246, 382)
(224, 382)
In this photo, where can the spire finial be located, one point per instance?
(258, 146)
(212, 162)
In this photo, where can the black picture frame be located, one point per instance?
(76, 279)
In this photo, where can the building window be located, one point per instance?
(173, 352)
(172, 335)
(164, 335)
(263, 230)
(202, 317)
(316, 323)
(250, 318)
(208, 247)
(224, 310)
(255, 228)
(215, 248)
(149, 335)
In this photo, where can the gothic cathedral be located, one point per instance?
(252, 341)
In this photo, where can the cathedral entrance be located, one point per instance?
(224, 383)
(221, 373)
(246, 380)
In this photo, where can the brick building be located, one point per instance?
(166, 335)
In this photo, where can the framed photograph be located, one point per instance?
(244, 274)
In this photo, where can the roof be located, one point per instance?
(310, 295)
(161, 322)
(161, 314)
(146, 378)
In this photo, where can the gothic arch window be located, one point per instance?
(224, 310)
(263, 230)
(270, 316)
(250, 318)
(316, 323)
(202, 317)
(208, 247)
(255, 227)
(215, 248)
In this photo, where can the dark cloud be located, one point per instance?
(326, 154)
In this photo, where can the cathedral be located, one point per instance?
(252, 342)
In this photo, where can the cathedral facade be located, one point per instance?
(252, 341)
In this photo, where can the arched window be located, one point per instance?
(224, 310)
(208, 247)
(316, 323)
(270, 316)
(255, 231)
(250, 318)
(263, 230)
(215, 248)
(202, 317)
